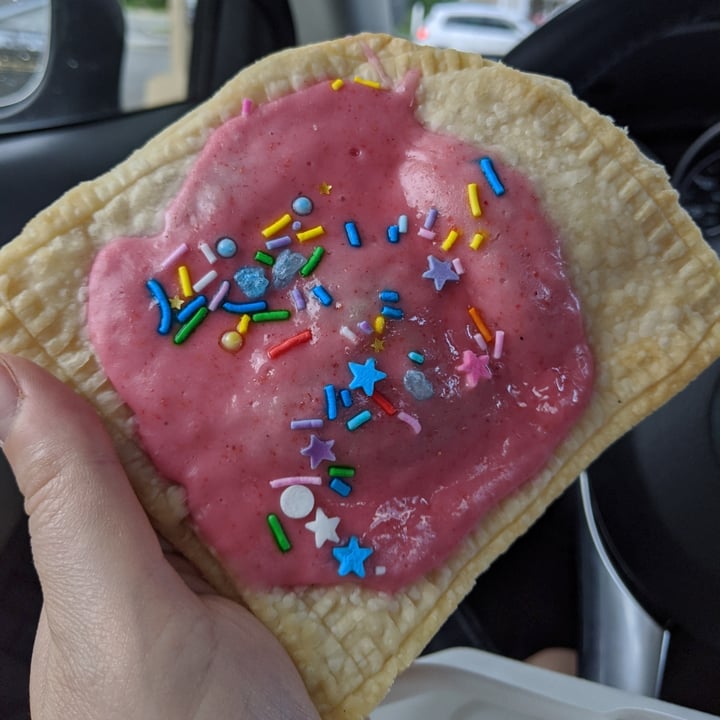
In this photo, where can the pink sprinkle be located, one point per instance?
(247, 106)
(178, 252)
(408, 419)
(296, 480)
(219, 296)
(298, 298)
(499, 341)
(458, 266)
(427, 234)
(480, 340)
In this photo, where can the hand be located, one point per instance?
(122, 633)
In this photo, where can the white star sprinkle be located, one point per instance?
(325, 528)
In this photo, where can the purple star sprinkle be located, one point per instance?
(318, 450)
(440, 272)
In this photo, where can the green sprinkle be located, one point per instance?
(416, 357)
(270, 315)
(341, 471)
(189, 327)
(313, 261)
(276, 528)
(264, 258)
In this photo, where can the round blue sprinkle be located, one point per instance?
(296, 225)
(302, 205)
(226, 247)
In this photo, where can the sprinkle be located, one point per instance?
(284, 482)
(279, 224)
(176, 302)
(307, 424)
(449, 241)
(352, 235)
(159, 294)
(365, 327)
(379, 324)
(289, 344)
(185, 284)
(276, 528)
(298, 298)
(392, 312)
(346, 398)
(322, 295)
(488, 170)
(383, 403)
(313, 261)
(458, 266)
(231, 341)
(270, 316)
(342, 471)
(330, 402)
(297, 225)
(219, 296)
(206, 250)
(252, 281)
(378, 345)
(348, 334)
(340, 487)
(440, 272)
(402, 224)
(416, 357)
(477, 240)
(499, 342)
(264, 258)
(475, 367)
(474, 200)
(337, 84)
(178, 252)
(474, 314)
(191, 308)
(324, 188)
(427, 234)
(430, 219)
(352, 558)
(189, 327)
(318, 450)
(358, 420)
(311, 234)
(226, 247)
(408, 419)
(324, 528)
(389, 296)
(247, 106)
(242, 308)
(418, 385)
(276, 243)
(297, 501)
(480, 340)
(380, 570)
(367, 83)
(393, 234)
(204, 281)
(302, 205)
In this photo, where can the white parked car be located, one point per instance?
(473, 27)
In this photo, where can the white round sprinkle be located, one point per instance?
(297, 501)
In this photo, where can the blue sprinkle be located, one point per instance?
(418, 385)
(358, 420)
(393, 234)
(330, 402)
(403, 224)
(163, 304)
(340, 487)
(346, 397)
(430, 219)
(240, 308)
(416, 357)
(302, 205)
(189, 309)
(296, 225)
(322, 295)
(389, 296)
(252, 281)
(226, 247)
(488, 170)
(392, 312)
(352, 235)
(286, 267)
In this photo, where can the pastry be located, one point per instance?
(356, 321)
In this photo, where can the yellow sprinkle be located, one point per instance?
(231, 341)
(378, 345)
(449, 240)
(379, 325)
(479, 324)
(325, 189)
(311, 233)
(368, 83)
(244, 324)
(337, 84)
(176, 303)
(279, 224)
(477, 240)
(185, 284)
(474, 200)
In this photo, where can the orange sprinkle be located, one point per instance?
(291, 342)
(479, 323)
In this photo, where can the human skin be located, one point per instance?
(127, 630)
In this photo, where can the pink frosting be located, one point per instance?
(218, 422)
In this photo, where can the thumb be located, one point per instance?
(92, 543)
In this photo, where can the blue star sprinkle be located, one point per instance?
(440, 272)
(352, 557)
(365, 376)
(318, 450)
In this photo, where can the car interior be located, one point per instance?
(623, 570)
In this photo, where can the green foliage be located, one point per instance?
(149, 4)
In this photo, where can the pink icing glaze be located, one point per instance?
(218, 422)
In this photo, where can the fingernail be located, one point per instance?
(9, 399)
